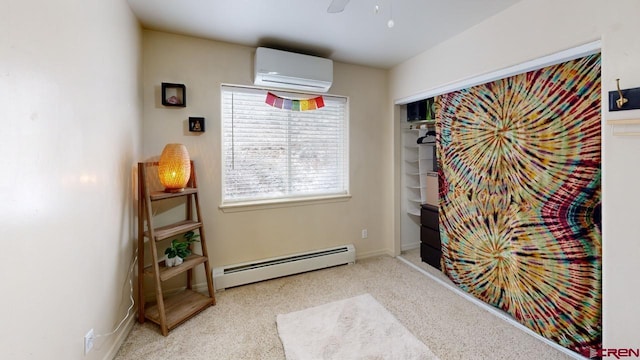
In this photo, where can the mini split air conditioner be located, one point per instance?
(286, 70)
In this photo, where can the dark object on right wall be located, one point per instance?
(196, 124)
(632, 96)
(174, 95)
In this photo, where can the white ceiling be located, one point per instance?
(357, 35)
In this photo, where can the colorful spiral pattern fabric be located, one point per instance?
(520, 197)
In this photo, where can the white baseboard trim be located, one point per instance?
(410, 246)
(202, 287)
(121, 336)
(370, 254)
(493, 310)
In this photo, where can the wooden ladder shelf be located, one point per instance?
(169, 311)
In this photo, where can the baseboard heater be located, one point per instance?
(246, 273)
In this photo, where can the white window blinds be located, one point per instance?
(272, 153)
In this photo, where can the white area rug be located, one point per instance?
(355, 328)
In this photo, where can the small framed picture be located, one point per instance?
(174, 95)
(196, 124)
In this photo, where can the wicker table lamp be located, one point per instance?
(174, 168)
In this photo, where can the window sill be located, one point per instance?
(281, 203)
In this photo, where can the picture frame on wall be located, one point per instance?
(196, 124)
(174, 94)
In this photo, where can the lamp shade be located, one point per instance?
(174, 168)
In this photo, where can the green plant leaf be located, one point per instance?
(182, 248)
(184, 253)
(191, 237)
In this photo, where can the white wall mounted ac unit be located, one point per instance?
(287, 70)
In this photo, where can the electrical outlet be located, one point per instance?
(88, 341)
(365, 234)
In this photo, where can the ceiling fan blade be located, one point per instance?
(337, 6)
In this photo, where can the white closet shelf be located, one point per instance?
(613, 123)
(419, 124)
(415, 212)
(624, 122)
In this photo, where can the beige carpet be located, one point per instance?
(353, 328)
(243, 323)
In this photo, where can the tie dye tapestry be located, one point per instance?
(520, 197)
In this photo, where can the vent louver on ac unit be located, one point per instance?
(287, 70)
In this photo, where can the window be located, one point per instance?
(271, 153)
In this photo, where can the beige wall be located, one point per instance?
(70, 109)
(235, 237)
(535, 28)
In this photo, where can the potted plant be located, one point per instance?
(179, 250)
